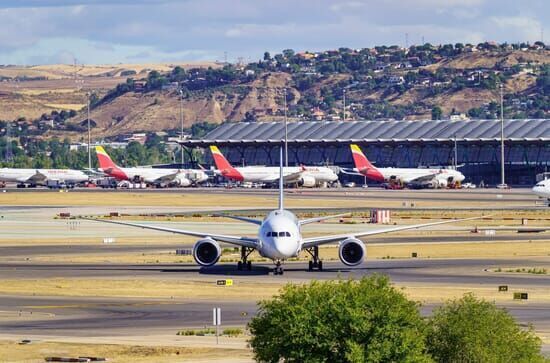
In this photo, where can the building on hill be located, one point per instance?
(394, 144)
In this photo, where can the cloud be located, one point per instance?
(116, 30)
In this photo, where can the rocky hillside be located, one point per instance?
(379, 83)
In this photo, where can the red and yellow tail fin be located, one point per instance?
(223, 165)
(363, 164)
(104, 159)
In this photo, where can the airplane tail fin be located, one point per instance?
(363, 164)
(220, 160)
(105, 161)
(281, 181)
(223, 165)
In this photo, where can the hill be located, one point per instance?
(418, 82)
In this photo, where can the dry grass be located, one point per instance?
(142, 288)
(11, 351)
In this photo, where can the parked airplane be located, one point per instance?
(306, 176)
(179, 177)
(34, 177)
(279, 238)
(432, 178)
(542, 189)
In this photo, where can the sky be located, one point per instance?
(140, 31)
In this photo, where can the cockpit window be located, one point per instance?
(277, 234)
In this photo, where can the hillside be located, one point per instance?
(29, 92)
(379, 83)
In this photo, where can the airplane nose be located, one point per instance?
(285, 247)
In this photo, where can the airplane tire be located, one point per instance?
(249, 266)
(320, 265)
(239, 266)
(310, 266)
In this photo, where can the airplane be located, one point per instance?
(306, 176)
(34, 177)
(179, 177)
(542, 189)
(279, 238)
(432, 178)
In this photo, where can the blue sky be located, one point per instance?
(134, 31)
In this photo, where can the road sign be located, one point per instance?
(217, 321)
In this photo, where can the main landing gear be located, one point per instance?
(278, 270)
(244, 264)
(315, 263)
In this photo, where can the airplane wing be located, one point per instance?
(167, 178)
(38, 177)
(239, 218)
(318, 219)
(239, 241)
(316, 241)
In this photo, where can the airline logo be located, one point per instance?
(108, 166)
(224, 166)
(363, 164)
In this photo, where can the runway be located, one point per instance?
(96, 317)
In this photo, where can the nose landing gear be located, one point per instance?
(278, 270)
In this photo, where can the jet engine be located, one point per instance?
(206, 252)
(352, 251)
(181, 181)
(307, 181)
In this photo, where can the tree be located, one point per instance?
(267, 56)
(437, 113)
(339, 321)
(472, 330)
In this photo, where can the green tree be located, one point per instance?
(472, 330)
(437, 113)
(339, 321)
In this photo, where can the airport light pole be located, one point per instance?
(502, 182)
(456, 154)
(181, 128)
(344, 99)
(286, 129)
(89, 133)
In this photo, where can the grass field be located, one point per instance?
(11, 351)
(214, 199)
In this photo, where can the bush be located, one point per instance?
(232, 332)
(472, 330)
(339, 321)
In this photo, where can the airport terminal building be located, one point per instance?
(408, 144)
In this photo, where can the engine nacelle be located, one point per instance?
(352, 251)
(307, 181)
(182, 181)
(206, 252)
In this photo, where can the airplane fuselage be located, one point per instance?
(268, 174)
(40, 176)
(152, 175)
(279, 236)
(408, 175)
(542, 189)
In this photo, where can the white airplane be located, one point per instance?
(306, 176)
(542, 189)
(279, 238)
(34, 177)
(179, 177)
(432, 178)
